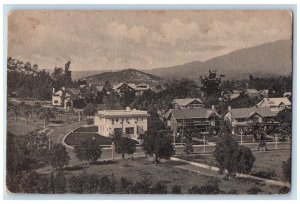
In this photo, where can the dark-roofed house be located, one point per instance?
(201, 119)
(67, 98)
(187, 103)
(241, 118)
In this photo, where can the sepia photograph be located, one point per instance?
(178, 102)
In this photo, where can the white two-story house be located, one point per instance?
(130, 122)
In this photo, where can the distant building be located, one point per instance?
(67, 98)
(131, 122)
(264, 93)
(275, 104)
(187, 103)
(241, 118)
(251, 93)
(201, 119)
(287, 94)
(138, 89)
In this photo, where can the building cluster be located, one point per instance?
(186, 113)
(189, 113)
(69, 98)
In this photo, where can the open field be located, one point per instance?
(167, 173)
(20, 127)
(265, 161)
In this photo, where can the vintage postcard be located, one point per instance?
(149, 102)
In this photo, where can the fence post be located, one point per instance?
(204, 150)
(276, 141)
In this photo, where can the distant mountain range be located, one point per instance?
(273, 58)
(127, 75)
(268, 59)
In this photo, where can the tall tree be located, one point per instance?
(211, 87)
(123, 145)
(88, 150)
(58, 156)
(157, 143)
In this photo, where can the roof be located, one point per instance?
(234, 95)
(99, 88)
(73, 91)
(186, 101)
(122, 113)
(252, 91)
(275, 101)
(192, 113)
(247, 112)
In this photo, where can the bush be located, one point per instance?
(286, 170)
(125, 185)
(210, 188)
(284, 190)
(254, 190)
(142, 187)
(90, 121)
(160, 188)
(265, 174)
(176, 189)
(232, 191)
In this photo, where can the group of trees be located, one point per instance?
(28, 81)
(35, 112)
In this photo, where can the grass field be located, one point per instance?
(270, 161)
(136, 169)
(20, 127)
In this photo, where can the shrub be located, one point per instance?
(176, 189)
(142, 187)
(265, 174)
(125, 185)
(210, 188)
(254, 190)
(160, 188)
(286, 170)
(232, 191)
(284, 190)
(90, 121)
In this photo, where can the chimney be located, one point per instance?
(63, 88)
(213, 107)
(53, 90)
(127, 108)
(229, 108)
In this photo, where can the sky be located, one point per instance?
(113, 40)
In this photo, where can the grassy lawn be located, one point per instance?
(75, 138)
(271, 161)
(87, 129)
(167, 173)
(265, 161)
(20, 127)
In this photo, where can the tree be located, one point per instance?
(26, 110)
(36, 109)
(58, 156)
(46, 114)
(211, 87)
(90, 110)
(87, 150)
(157, 143)
(233, 158)
(286, 170)
(123, 145)
(245, 160)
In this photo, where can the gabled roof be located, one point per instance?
(275, 101)
(186, 101)
(192, 113)
(99, 88)
(248, 112)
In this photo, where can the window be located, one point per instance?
(56, 101)
(117, 120)
(129, 130)
(112, 120)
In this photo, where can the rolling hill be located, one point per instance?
(273, 58)
(127, 75)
